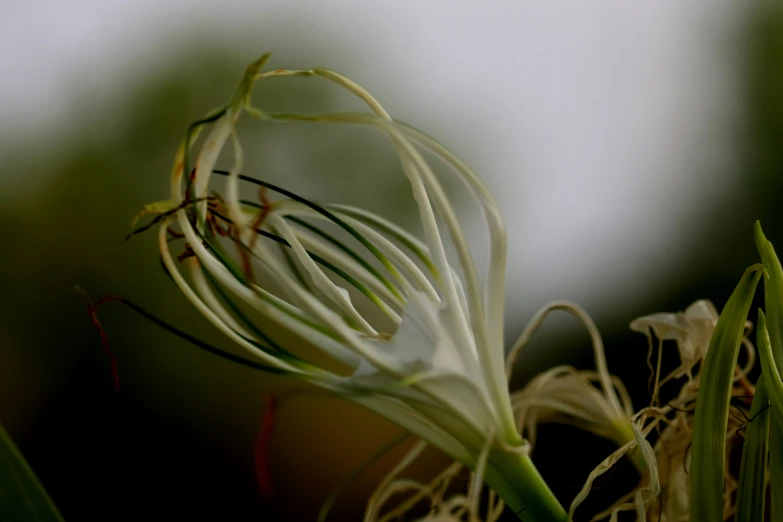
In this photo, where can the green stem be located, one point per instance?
(517, 481)
(622, 436)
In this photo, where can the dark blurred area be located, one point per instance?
(176, 441)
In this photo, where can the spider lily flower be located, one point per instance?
(438, 371)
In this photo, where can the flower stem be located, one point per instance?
(514, 477)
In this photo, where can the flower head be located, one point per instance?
(439, 369)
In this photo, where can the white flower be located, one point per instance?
(439, 372)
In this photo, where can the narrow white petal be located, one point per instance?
(341, 260)
(396, 256)
(338, 296)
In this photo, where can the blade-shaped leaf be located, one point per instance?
(770, 370)
(773, 304)
(773, 292)
(22, 497)
(771, 375)
(752, 487)
(712, 402)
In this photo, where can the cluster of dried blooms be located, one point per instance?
(579, 398)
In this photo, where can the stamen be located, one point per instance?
(264, 212)
(244, 256)
(315, 257)
(162, 216)
(176, 331)
(186, 254)
(174, 234)
(336, 220)
(92, 311)
(191, 179)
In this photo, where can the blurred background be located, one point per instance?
(630, 147)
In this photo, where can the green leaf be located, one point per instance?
(773, 304)
(773, 292)
(752, 487)
(771, 374)
(22, 497)
(769, 369)
(776, 466)
(712, 402)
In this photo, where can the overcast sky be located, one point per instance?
(599, 125)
